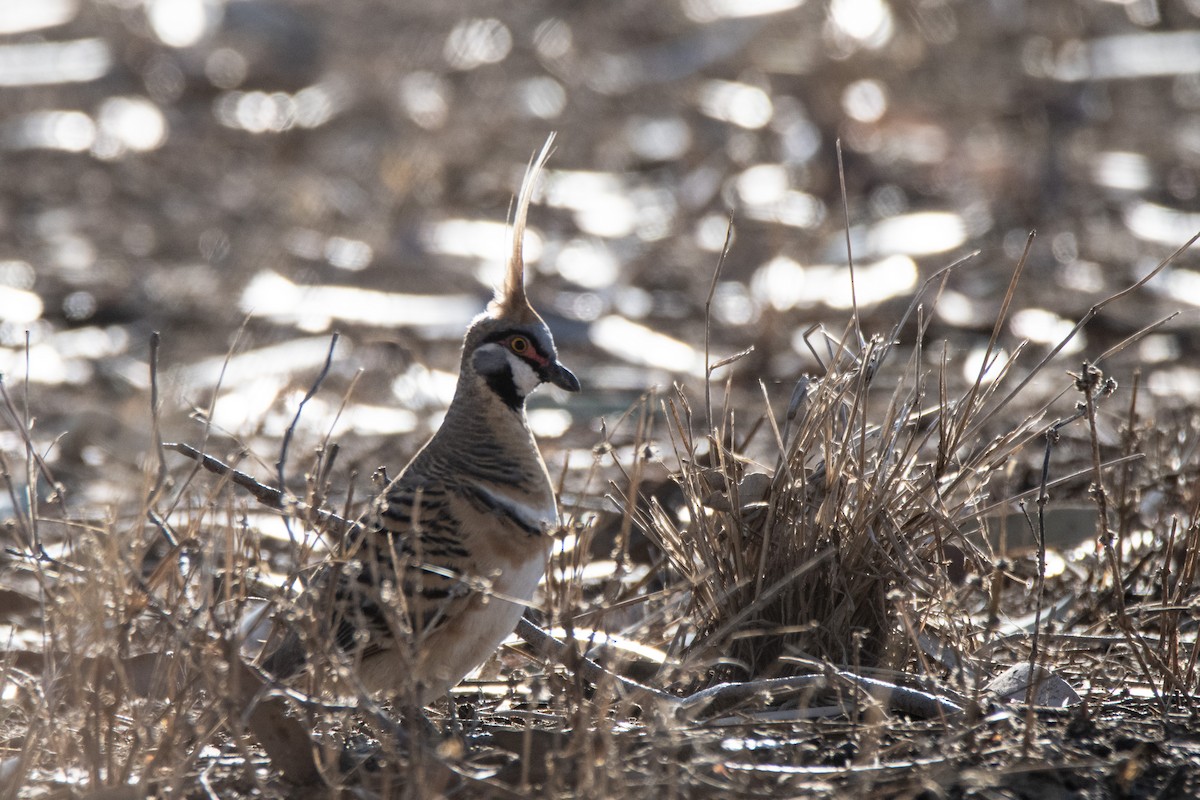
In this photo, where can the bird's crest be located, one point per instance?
(510, 301)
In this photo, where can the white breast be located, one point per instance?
(470, 639)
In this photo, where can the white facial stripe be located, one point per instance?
(533, 516)
(524, 378)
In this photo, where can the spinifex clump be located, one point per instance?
(815, 535)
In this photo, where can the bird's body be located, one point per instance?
(457, 543)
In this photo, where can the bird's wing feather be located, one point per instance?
(410, 573)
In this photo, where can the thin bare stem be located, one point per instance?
(712, 290)
(849, 250)
(281, 464)
(1091, 384)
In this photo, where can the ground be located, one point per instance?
(246, 178)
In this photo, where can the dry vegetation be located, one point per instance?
(799, 596)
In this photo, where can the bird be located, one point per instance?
(454, 547)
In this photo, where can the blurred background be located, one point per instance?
(248, 176)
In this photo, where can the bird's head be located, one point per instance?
(509, 346)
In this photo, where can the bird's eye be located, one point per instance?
(518, 344)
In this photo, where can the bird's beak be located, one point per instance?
(560, 376)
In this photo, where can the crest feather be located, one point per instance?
(510, 300)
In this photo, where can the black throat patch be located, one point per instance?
(505, 387)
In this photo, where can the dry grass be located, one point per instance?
(798, 550)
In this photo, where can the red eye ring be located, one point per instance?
(518, 344)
